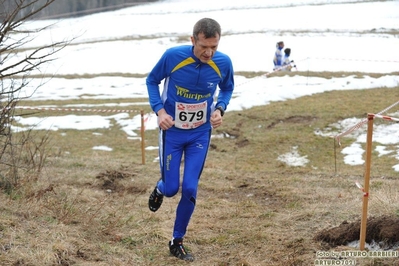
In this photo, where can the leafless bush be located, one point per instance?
(18, 62)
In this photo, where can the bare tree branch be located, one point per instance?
(17, 62)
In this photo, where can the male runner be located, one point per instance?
(187, 112)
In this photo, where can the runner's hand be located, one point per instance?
(216, 119)
(165, 121)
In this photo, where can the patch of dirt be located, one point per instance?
(246, 190)
(383, 229)
(234, 133)
(242, 142)
(292, 119)
(112, 180)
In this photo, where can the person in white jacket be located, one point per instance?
(278, 56)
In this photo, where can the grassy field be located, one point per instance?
(90, 207)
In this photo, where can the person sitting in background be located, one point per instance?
(278, 56)
(286, 62)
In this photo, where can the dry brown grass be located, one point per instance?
(90, 207)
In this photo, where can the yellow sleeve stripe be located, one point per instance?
(215, 67)
(184, 63)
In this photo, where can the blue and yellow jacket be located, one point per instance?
(188, 80)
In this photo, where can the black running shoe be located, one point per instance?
(155, 200)
(179, 251)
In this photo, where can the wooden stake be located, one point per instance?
(363, 224)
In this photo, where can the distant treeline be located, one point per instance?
(70, 8)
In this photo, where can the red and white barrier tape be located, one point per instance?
(358, 125)
(362, 189)
(355, 60)
(274, 71)
(75, 109)
(146, 117)
(385, 117)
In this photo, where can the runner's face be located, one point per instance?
(205, 48)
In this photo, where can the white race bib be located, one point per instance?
(190, 115)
